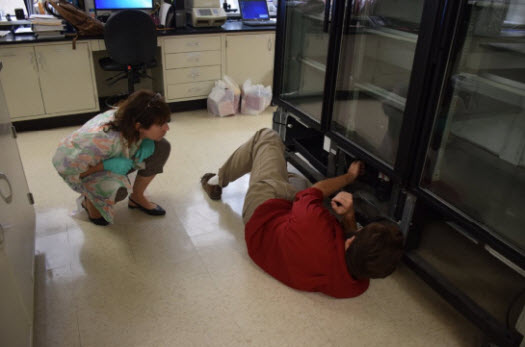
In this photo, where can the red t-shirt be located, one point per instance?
(302, 245)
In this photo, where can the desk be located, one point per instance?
(47, 78)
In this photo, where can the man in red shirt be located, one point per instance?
(292, 236)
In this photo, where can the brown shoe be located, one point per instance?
(214, 191)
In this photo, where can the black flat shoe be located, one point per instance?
(157, 211)
(97, 221)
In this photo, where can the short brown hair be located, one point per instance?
(375, 251)
(144, 107)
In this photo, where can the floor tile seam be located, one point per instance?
(78, 328)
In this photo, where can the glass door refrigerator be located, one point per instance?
(344, 71)
(430, 95)
(301, 74)
(469, 169)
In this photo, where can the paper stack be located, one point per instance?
(47, 26)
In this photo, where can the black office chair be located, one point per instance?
(131, 42)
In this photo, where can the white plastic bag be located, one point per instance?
(255, 98)
(220, 100)
(236, 92)
(224, 98)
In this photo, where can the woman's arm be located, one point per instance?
(92, 170)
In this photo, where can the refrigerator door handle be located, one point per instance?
(8, 197)
(2, 237)
(327, 7)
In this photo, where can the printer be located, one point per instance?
(205, 13)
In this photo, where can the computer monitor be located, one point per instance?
(254, 9)
(9, 6)
(123, 4)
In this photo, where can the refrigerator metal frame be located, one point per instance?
(435, 48)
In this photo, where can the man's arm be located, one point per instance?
(332, 185)
(349, 224)
(343, 205)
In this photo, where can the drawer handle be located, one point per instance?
(193, 43)
(6, 197)
(194, 75)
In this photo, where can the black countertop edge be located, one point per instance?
(79, 119)
(228, 27)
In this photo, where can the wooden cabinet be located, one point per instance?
(51, 79)
(250, 56)
(66, 78)
(17, 240)
(191, 65)
(21, 83)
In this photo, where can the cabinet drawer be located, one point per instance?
(178, 60)
(192, 44)
(193, 74)
(186, 90)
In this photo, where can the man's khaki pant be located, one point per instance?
(263, 156)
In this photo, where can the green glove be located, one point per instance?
(118, 165)
(145, 150)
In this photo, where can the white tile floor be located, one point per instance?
(186, 279)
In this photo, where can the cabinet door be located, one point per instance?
(250, 57)
(20, 79)
(17, 240)
(15, 329)
(66, 77)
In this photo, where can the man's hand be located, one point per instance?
(342, 203)
(331, 185)
(356, 169)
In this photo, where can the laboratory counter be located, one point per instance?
(231, 26)
(51, 83)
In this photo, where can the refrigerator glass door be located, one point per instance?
(377, 53)
(475, 160)
(304, 57)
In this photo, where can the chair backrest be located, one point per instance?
(130, 37)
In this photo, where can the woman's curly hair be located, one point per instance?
(144, 107)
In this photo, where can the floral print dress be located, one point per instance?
(88, 146)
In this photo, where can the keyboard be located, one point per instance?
(257, 23)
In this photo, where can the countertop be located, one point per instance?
(229, 26)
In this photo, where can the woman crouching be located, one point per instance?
(96, 159)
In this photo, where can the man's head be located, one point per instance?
(375, 250)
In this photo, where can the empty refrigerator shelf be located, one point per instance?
(393, 34)
(314, 64)
(502, 135)
(490, 85)
(394, 99)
